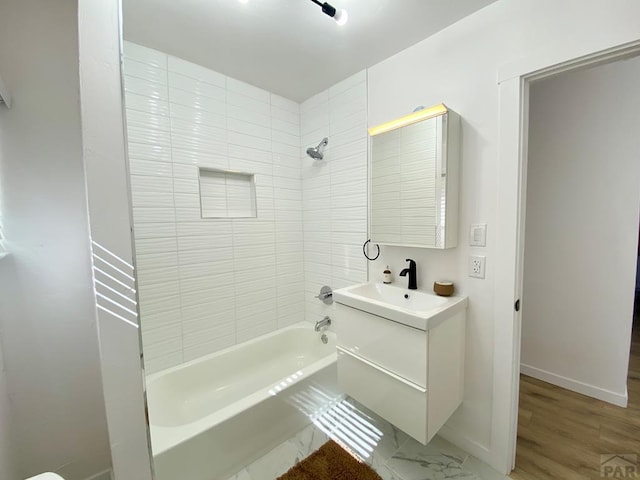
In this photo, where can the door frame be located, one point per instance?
(513, 84)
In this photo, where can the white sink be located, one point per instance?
(413, 308)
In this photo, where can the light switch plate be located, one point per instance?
(478, 235)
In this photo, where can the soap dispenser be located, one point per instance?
(386, 275)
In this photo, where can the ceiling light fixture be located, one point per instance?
(340, 16)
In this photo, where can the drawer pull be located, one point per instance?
(383, 370)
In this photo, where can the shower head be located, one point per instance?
(317, 153)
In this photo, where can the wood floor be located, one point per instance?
(561, 434)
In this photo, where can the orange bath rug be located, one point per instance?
(330, 462)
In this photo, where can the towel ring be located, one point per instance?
(364, 251)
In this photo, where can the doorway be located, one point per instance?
(580, 239)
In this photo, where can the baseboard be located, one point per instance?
(576, 386)
(106, 475)
(470, 446)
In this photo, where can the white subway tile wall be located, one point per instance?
(206, 284)
(334, 190)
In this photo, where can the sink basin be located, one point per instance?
(414, 308)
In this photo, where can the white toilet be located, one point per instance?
(46, 476)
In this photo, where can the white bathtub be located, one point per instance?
(211, 416)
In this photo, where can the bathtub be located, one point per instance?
(212, 416)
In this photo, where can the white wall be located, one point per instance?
(459, 66)
(334, 190)
(46, 298)
(583, 198)
(8, 469)
(110, 222)
(7, 464)
(206, 284)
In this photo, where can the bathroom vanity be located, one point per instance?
(401, 354)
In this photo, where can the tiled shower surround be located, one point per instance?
(208, 283)
(334, 190)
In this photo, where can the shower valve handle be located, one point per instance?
(325, 295)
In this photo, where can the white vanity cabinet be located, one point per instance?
(411, 377)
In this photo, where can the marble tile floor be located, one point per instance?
(396, 456)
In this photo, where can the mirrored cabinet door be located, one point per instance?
(414, 180)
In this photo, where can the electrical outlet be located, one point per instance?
(476, 266)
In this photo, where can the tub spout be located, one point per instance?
(324, 323)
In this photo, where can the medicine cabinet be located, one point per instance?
(413, 171)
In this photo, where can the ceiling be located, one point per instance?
(288, 47)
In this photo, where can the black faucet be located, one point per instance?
(413, 283)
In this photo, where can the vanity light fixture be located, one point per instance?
(340, 16)
(414, 117)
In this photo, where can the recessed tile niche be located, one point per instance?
(227, 194)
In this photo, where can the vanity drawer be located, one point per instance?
(400, 403)
(393, 346)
